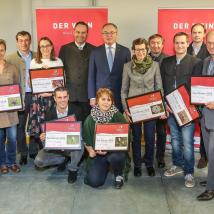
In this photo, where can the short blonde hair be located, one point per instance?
(106, 91)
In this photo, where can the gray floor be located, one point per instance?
(41, 192)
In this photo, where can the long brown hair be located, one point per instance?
(39, 54)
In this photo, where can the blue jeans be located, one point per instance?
(149, 137)
(182, 140)
(8, 151)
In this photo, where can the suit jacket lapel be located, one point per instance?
(117, 53)
(205, 66)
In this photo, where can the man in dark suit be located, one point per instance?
(175, 71)
(106, 65)
(207, 123)
(51, 158)
(198, 49)
(75, 57)
(156, 44)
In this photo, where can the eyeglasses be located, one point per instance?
(140, 50)
(45, 46)
(109, 33)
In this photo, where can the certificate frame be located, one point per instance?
(51, 77)
(189, 112)
(71, 132)
(141, 100)
(11, 94)
(111, 137)
(199, 85)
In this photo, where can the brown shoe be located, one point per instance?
(15, 168)
(4, 169)
(202, 163)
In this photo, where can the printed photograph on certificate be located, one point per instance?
(179, 102)
(10, 98)
(111, 136)
(146, 106)
(202, 89)
(46, 80)
(62, 135)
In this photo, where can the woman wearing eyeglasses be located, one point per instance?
(141, 75)
(41, 103)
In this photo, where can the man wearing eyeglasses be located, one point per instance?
(21, 59)
(106, 65)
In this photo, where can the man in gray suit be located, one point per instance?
(75, 57)
(207, 124)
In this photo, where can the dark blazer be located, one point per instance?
(100, 76)
(170, 72)
(202, 54)
(75, 63)
(207, 113)
(52, 114)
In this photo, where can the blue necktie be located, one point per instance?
(110, 58)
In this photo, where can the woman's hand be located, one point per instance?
(128, 115)
(91, 152)
(45, 66)
(210, 105)
(42, 137)
(99, 152)
(168, 109)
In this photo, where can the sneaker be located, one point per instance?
(174, 170)
(189, 181)
(118, 182)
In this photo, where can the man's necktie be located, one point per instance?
(110, 58)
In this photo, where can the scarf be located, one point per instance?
(141, 66)
(103, 117)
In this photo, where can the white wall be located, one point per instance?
(135, 18)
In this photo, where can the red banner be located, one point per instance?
(58, 24)
(171, 21)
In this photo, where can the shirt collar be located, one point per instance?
(25, 56)
(65, 113)
(112, 46)
(80, 46)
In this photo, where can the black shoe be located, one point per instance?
(23, 160)
(72, 176)
(203, 183)
(137, 171)
(61, 167)
(150, 171)
(118, 182)
(206, 196)
(33, 156)
(161, 164)
(202, 163)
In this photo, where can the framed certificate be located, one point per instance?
(111, 136)
(46, 80)
(202, 89)
(179, 102)
(63, 135)
(10, 98)
(146, 106)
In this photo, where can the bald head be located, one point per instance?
(210, 43)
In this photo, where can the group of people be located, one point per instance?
(98, 81)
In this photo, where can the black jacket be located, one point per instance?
(52, 114)
(202, 54)
(181, 74)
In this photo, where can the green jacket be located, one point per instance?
(89, 131)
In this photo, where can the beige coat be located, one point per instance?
(9, 76)
(134, 83)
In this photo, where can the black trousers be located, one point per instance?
(161, 139)
(97, 173)
(22, 146)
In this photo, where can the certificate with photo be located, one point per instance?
(111, 136)
(146, 106)
(179, 102)
(46, 80)
(202, 89)
(10, 98)
(63, 135)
